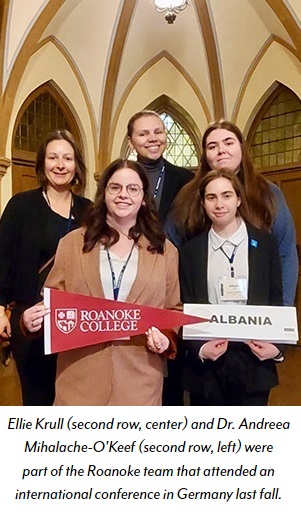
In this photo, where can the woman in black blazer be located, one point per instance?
(219, 372)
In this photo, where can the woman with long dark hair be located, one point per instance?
(223, 146)
(230, 262)
(120, 254)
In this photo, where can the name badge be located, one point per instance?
(233, 288)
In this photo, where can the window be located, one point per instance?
(41, 116)
(277, 139)
(42, 112)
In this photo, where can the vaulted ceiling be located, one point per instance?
(112, 57)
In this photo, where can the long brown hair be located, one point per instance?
(259, 196)
(79, 181)
(147, 224)
(242, 209)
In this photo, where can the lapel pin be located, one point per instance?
(254, 243)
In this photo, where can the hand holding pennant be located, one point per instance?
(80, 320)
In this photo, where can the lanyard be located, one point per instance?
(116, 286)
(230, 259)
(159, 182)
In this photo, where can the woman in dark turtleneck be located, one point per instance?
(147, 135)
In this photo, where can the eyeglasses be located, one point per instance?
(132, 189)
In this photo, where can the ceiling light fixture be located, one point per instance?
(171, 8)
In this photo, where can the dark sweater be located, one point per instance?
(26, 223)
(174, 178)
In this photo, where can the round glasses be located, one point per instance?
(132, 189)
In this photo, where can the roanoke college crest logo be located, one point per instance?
(66, 320)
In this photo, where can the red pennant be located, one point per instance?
(80, 320)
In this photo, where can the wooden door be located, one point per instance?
(23, 172)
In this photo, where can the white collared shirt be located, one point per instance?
(128, 277)
(218, 263)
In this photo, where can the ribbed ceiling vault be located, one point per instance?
(123, 55)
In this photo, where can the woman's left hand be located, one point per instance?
(33, 317)
(262, 349)
(156, 341)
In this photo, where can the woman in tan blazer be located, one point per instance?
(121, 253)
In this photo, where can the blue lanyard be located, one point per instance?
(230, 259)
(159, 182)
(116, 286)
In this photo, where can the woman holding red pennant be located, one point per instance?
(120, 254)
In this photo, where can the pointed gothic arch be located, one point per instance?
(275, 146)
(275, 134)
(44, 110)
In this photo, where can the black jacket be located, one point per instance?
(22, 230)
(174, 179)
(265, 288)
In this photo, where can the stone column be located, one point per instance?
(4, 165)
